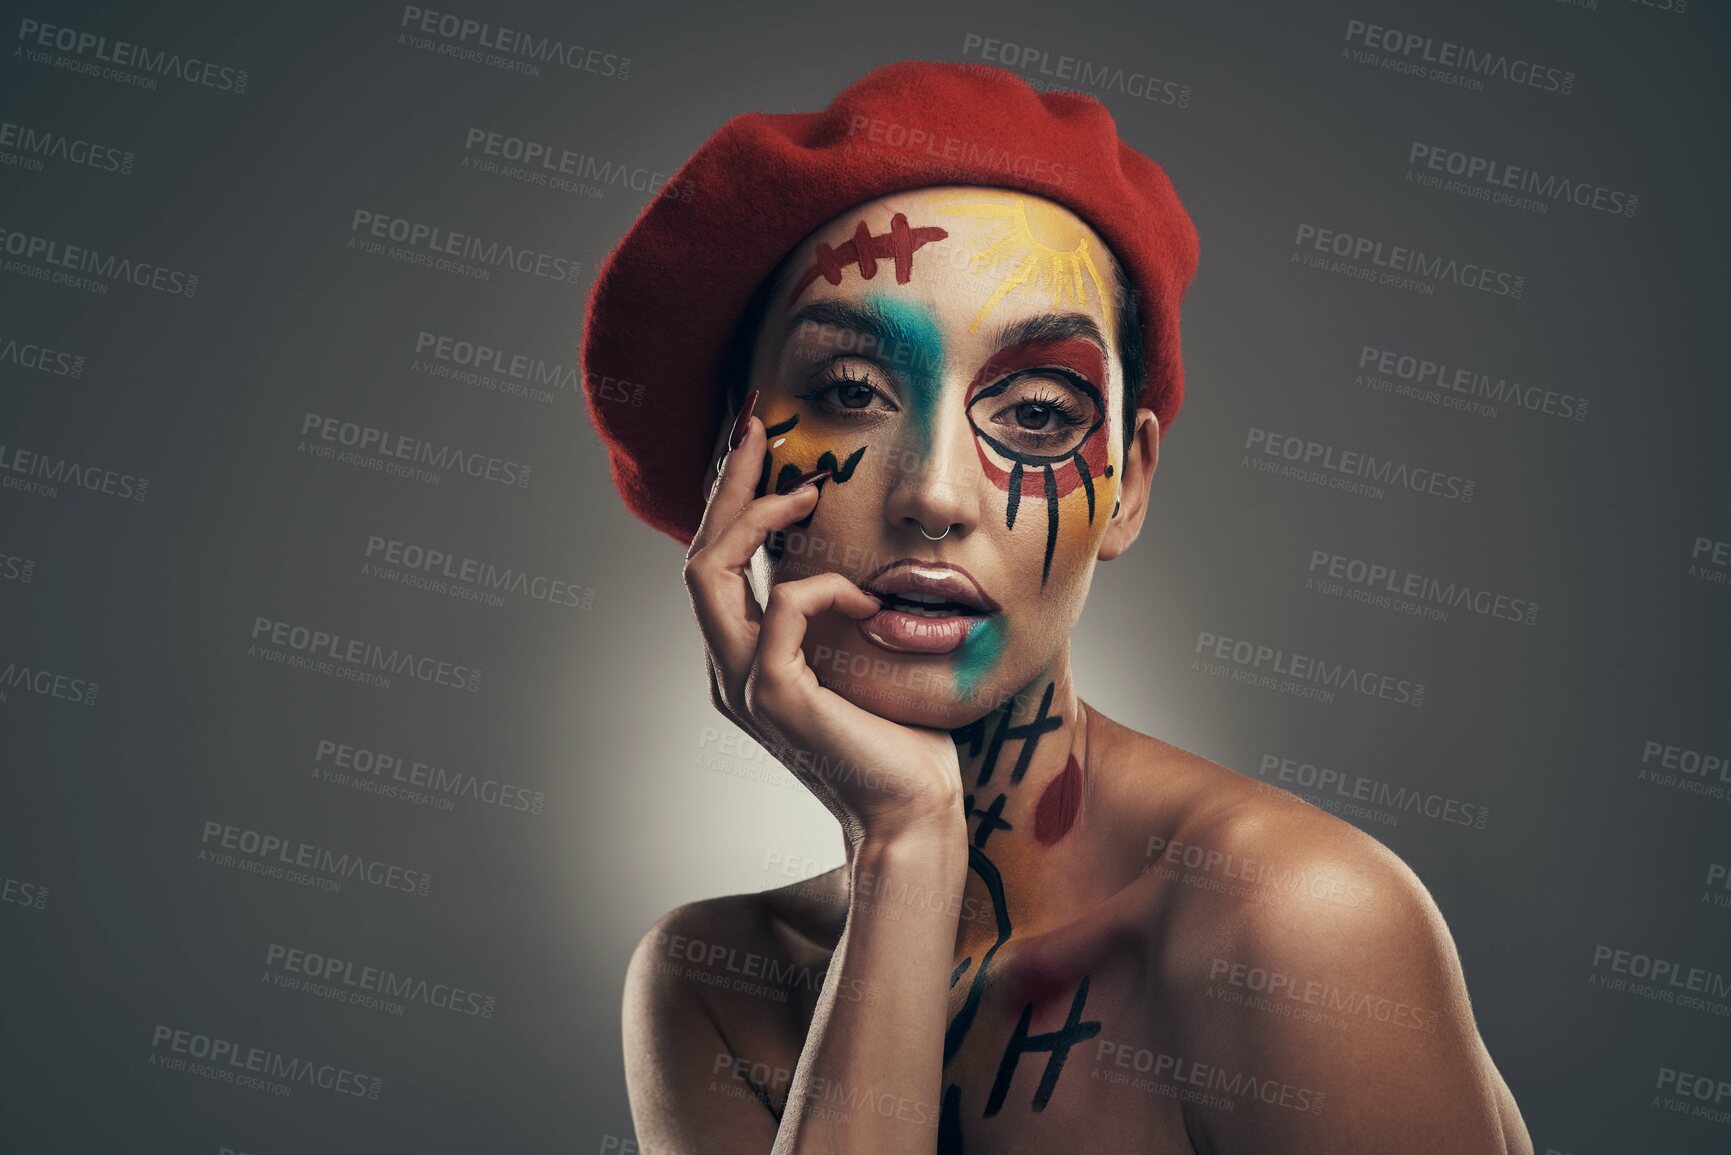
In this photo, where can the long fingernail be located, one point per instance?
(803, 480)
(742, 422)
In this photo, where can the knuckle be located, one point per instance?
(762, 695)
(696, 570)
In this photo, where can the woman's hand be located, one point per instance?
(879, 778)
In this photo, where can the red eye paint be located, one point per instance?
(1085, 360)
(899, 245)
(1059, 805)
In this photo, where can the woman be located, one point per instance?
(943, 315)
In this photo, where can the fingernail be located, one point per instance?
(741, 422)
(803, 480)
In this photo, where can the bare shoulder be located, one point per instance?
(1291, 945)
(753, 951)
(718, 998)
(1231, 856)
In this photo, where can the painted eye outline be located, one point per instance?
(1058, 404)
(1028, 457)
(834, 375)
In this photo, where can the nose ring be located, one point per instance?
(940, 536)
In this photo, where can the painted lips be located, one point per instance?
(930, 607)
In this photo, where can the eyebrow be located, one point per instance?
(868, 319)
(1052, 327)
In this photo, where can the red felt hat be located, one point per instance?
(667, 299)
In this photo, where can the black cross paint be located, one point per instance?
(964, 1018)
(1029, 732)
(990, 819)
(1057, 1043)
(950, 1122)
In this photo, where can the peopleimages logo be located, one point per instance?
(26, 147)
(230, 1062)
(123, 54)
(338, 760)
(41, 358)
(431, 241)
(1327, 783)
(1458, 387)
(321, 974)
(476, 362)
(271, 851)
(1435, 59)
(1390, 587)
(1673, 982)
(362, 657)
(1239, 660)
(1075, 72)
(407, 452)
(1498, 181)
(939, 153)
(465, 38)
(81, 267)
(30, 679)
(1348, 469)
(1400, 266)
(453, 574)
(17, 892)
(40, 473)
(560, 168)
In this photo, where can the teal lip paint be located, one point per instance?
(978, 654)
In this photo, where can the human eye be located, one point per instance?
(1042, 413)
(846, 390)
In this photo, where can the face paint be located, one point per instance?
(1054, 816)
(1047, 249)
(1031, 472)
(978, 654)
(840, 473)
(919, 355)
(899, 245)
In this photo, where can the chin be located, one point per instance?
(937, 709)
(911, 689)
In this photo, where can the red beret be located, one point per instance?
(667, 299)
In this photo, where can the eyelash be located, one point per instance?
(1063, 406)
(1067, 410)
(834, 379)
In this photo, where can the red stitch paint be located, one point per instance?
(899, 245)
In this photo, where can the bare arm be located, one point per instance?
(866, 1075)
(706, 1074)
(870, 1071)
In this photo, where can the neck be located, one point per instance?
(1025, 773)
(1023, 766)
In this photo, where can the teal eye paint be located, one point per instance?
(978, 654)
(916, 354)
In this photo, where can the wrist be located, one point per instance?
(912, 830)
(931, 854)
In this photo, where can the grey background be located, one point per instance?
(605, 711)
